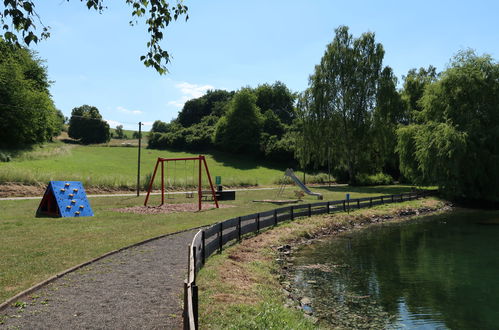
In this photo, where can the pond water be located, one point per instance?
(439, 272)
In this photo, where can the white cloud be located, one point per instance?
(113, 123)
(133, 112)
(189, 91)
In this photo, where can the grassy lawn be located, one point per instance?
(116, 166)
(35, 248)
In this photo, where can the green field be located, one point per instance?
(35, 248)
(116, 167)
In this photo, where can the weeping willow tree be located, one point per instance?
(336, 111)
(454, 141)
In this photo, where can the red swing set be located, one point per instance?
(202, 161)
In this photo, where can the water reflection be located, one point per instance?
(439, 272)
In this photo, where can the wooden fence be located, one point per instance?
(212, 239)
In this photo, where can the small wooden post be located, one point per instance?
(309, 210)
(203, 253)
(291, 214)
(358, 203)
(185, 313)
(275, 217)
(393, 198)
(220, 242)
(327, 206)
(344, 206)
(194, 264)
(239, 229)
(370, 202)
(195, 305)
(258, 223)
(382, 202)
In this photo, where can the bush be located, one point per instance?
(364, 179)
(4, 157)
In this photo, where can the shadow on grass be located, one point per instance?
(246, 162)
(388, 190)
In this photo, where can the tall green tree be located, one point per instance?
(239, 130)
(454, 145)
(390, 112)
(87, 126)
(21, 22)
(27, 112)
(278, 98)
(414, 85)
(212, 103)
(336, 109)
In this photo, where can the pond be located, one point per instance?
(437, 272)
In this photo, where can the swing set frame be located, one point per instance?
(202, 162)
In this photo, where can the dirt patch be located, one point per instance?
(168, 208)
(20, 190)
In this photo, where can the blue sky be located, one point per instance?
(94, 58)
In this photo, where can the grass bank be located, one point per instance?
(240, 288)
(34, 249)
(115, 165)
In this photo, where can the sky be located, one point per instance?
(93, 58)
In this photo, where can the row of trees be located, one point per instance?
(254, 121)
(27, 112)
(439, 129)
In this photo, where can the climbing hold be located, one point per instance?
(67, 184)
(77, 212)
(68, 207)
(75, 189)
(62, 189)
(73, 201)
(71, 195)
(81, 206)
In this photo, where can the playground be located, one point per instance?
(29, 258)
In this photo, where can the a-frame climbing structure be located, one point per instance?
(64, 199)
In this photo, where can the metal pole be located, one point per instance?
(138, 161)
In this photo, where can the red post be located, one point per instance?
(200, 192)
(209, 179)
(150, 183)
(162, 182)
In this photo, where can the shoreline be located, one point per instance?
(242, 284)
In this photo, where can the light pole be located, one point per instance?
(138, 161)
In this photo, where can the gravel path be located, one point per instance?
(137, 288)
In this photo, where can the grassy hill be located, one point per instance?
(114, 165)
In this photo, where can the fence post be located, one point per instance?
(185, 313)
(195, 305)
(258, 223)
(292, 214)
(239, 229)
(370, 202)
(327, 205)
(392, 198)
(402, 197)
(220, 242)
(194, 258)
(382, 202)
(344, 207)
(275, 217)
(309, 210)
(358, 203)
(203, 253)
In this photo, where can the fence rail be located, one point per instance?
(212, 239)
